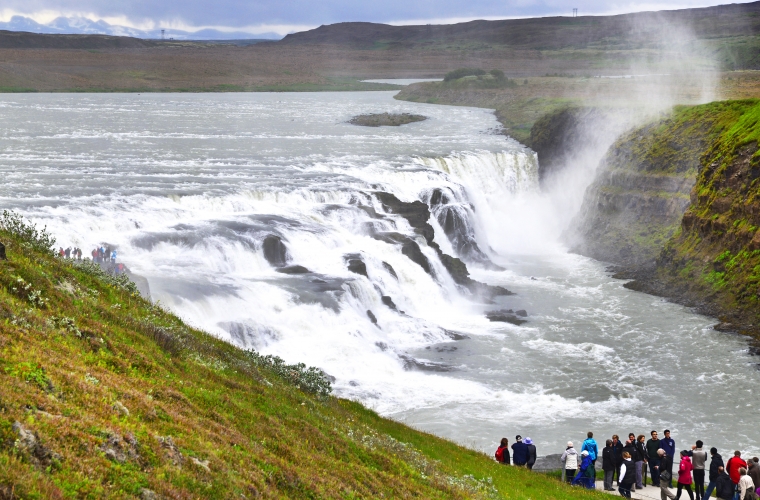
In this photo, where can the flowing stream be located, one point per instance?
(245, 211)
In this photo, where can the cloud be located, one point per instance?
(286, 16)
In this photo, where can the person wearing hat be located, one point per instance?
(570, 460)
(585, 476)
(531, 453)
(684, 475)
(519, 452)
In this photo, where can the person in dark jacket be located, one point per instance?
(608, 466)
(627, 474)
(754, 471)
(716, 465)
(653, 445)
(617, 455)
(640, 461)
(531, 453)
(502, 453)
(669, 445)
(519, 452)
(724, 487)
(666, 474)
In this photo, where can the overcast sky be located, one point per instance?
(285, 16)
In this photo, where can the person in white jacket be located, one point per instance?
(570, 459)
(745, 483)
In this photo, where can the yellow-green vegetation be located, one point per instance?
(106, 395)
(716, 254)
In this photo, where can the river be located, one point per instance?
(188, 187)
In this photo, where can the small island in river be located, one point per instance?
(386, 119)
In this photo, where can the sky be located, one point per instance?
(287, 16)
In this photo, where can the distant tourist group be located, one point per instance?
(628, 464)
(100, 255)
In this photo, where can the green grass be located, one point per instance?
(121, 395)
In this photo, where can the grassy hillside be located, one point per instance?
(105, 395)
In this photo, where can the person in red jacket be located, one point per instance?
(502, 453)
(733, 466)
(684, 475)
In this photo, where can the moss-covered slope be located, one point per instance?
(713, 261)
(104, 395)
(676, 204)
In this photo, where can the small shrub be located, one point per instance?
(25, 290)
(461, 73)
(32, 373)
(309, 379)
(118, 280)
(27, 232)
(498, 74)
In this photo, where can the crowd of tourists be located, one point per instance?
(100, 255)
(628, 464)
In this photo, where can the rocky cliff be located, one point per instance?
(676, 205)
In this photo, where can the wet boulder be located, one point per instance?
(275, 251)
(357, 266)
(389, 302)
(293, 270)
(372, 317)
(390, 269)
(505, 317)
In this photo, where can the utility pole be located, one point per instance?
(163, 33)
(575, 12)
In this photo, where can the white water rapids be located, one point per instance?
(188, 187)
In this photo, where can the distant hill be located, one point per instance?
(84, 26)
(23, 40)
(548, 33)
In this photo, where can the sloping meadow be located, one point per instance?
(106, 395)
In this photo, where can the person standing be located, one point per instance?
(502, 452)
(754, 471)
(608, 466)
(684, 475)
(716, 467)
(627, 475)
(732, 467)
(531, 453)
(653, 446)
(569, 460)
(639, 461)
(724, 487)
(669, 445)
(589, 445)
(745, 484)
(665, 468)
(519, 452)
(617, 455)
(698, 460)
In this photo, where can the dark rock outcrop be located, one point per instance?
(505, 317)
(418, 215)
(390, 269)
(389, 302)
(293, 270)
(386, 119)
(357, 266)
(372, 317)
(275, 251)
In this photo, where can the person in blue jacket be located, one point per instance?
(519, 452)
(585, 475)
(589, 445)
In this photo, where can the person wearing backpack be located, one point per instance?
(716, 467)
(502, 452)
(724, 487)
(665, 467)
(746, 486)
(684, 475)
(570, 460)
